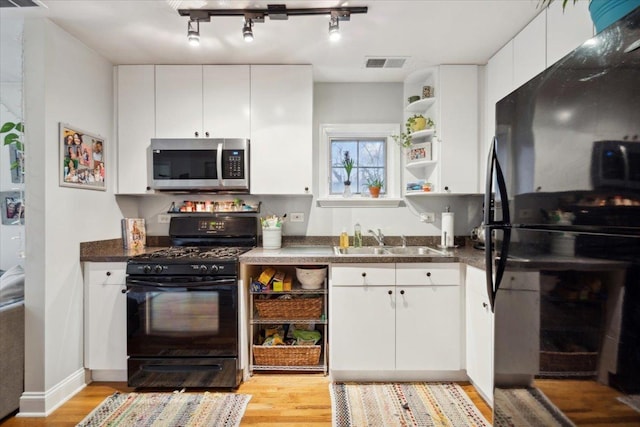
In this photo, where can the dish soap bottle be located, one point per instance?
(357, 236)
(344, 239)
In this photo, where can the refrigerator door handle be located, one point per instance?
(490, 225)
(488, 186)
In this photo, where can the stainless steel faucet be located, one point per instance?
(404, 240)
(378, 236)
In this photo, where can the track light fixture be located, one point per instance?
(274, 12)
(247, 32)
(193, 33)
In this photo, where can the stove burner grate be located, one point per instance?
(178, 252)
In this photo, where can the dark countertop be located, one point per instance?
(113, 251)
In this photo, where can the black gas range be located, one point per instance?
(182, 305)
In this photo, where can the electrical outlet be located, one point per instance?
(297, 217)
(164, 219)
(428, 217)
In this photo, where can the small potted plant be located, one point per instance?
(415, 123)
(347, 164)
(375, 184)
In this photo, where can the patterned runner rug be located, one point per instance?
(632, 400)
(168, 410)
(526, 407)
(403, 404)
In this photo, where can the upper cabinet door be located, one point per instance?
(281, 129)
(136, 126)
(227, 101)
(179, 101)
(567, 29)
(459, 129)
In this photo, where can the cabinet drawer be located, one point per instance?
(363, 274)
(106, 273)
(428, 274)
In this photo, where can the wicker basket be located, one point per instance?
(297, 308)
(556, 361)
(287, 355)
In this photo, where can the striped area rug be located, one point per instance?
(168, 410)
(403, 404)
(526, 407)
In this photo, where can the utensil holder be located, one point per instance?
(272, 238)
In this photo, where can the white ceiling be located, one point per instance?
(429, 32)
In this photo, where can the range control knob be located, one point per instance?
(203, 268)
(214, 268)
(146, 269)
(157, 269)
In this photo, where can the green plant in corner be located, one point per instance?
(13, 136)
(347, 163)
(375, 182)
(547, 3)
(410, 126)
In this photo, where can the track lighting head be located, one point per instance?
(334, 29)
(193, 33)
(247, 32)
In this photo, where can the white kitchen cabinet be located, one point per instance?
(428, 317)
(479, 333)
(179, 101)
(395, 321)
(226, 101)
(105, 320)
(529, 51)
(210, 101)
(135, 127)
(363, 329)
(459, 145)
(567, 29)
(281, 129)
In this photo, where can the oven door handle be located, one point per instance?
(147, 283)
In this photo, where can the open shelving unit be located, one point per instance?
(257, 324)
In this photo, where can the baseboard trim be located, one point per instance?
(42, 404)
(118, 375)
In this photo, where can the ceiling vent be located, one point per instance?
(390, 62)
(18, 3)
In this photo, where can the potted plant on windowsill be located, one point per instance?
(375, 185)
(347, 164)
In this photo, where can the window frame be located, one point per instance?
(359, 131)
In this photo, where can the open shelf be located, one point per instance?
(421, 105)
(425, 133)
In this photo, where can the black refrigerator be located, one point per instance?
(562, 224)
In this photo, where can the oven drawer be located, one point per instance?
(183, 372)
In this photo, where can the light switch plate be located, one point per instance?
(164, 219)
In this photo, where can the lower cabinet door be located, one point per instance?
(428, 330)
(362, 328)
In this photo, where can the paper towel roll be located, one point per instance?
(447, 230)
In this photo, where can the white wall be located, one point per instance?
(337, 103)
(11, 236)
(64, 81)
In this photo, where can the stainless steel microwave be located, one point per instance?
(200, 164)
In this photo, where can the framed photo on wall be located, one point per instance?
(12, 206)
(82, 159)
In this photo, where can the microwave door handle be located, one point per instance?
(219, 164)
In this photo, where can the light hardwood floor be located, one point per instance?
(277, 400)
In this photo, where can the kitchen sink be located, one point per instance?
(414, 250)
(389, 250)
(365, 250)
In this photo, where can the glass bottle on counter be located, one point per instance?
(357, 236)
(344, 239)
